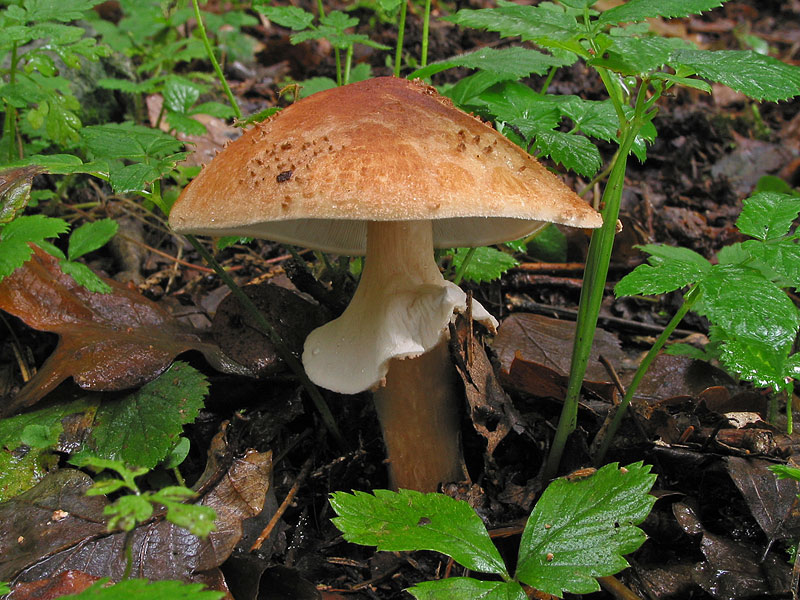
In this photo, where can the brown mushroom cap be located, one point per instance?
(385, 149)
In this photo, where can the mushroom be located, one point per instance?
(389, 169)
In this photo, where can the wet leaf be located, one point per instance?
(534, 356)
(773, 502)
(15, 191)
(108, 342)
(63, 584)
(53, 543)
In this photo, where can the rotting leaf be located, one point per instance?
(108, 342)
(534, 356)
(63, 584)
(161, 550)
(773, 502)
(491, 412)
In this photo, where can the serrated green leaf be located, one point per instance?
(128, 141)
(57, 164)
(747, 305)
(147, 86)
(185, 124)
(639, 10)
(778, 261)
(142, 589)
(127, 511)
(690, 82)
(574, 152)
(84, 276)
(485, 264)
(141, 428)
(755, 75)
(755, 361)
(472, 85)
(595, 118)
(64, 10)
(215, 109)
(410, 520)
(180, 94)
(512, 63)
(670, 268)
(91, 236)
(531, 23)
(198, 519)
(292, 17)
(514, 103)
(768, 215)
(639, 55)
(15, 237)
(468, 589)
(580, 529)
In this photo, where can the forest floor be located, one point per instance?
(722, 526)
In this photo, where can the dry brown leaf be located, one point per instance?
(108, 342)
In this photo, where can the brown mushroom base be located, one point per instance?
(418, 409)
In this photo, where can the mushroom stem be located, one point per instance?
(393, 334)
(418, 409)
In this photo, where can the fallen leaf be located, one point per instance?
(773, 502)
(108, 342)
(63, 584)
(534, 353)
(60, 528)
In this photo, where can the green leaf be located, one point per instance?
(57, 164)
(64, 10)
(513, 63)
(185, 124)
(486, 264)
(778, 261)
(215, 109)
(785, 472)
(128, 141)
(755, 75)
(15, 192)
(595, 118)
(640, 55)
(574, 152)
(670, 268)
(84, 276)
(467, 588)
(142, 589)
(639, 10)
(141, 428)
(91, 236)
(768, 215)
(580, 529)
(762, 364)
(13, 429)
(410, 520)
(748, 306)
(539, 23)
(15, 237)
(292, 17)
(180, 94)
(127, 512)
(198, 519)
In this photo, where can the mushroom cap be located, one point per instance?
(384, 149)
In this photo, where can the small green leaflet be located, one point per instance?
(468, 589)
(485, 264)
(291, 17)
(670, 268)
(17, 235)
(755, 75)
(91, 236)
(142, 589)
(762, 364)
(778, 261)
(580, 529)
(513, 63)
(65, 10)
(410, 520)
(142, 428)
(575, 152)
(768, 215)
(639, 10)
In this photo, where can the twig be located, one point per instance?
(284, 505)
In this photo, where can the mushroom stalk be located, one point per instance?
(393, 334)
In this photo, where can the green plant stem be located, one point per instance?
(338, 56)
(549, 80)
(689, 300)
(789, 391)
(320, 9)
(401, 29)
(594, 279)
(426, 25)
(348, 61)
(10, 119)
(463, 268)
(217, 69)
(289, 358)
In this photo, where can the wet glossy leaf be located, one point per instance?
(580, 529)
(670, 268)
(91, 236)
(639, 10)
(410, 520)
(466, 587)
(768, 215)
(141, 428)
(108, 342)
(142, 589)
(485, 264)
(16, 237)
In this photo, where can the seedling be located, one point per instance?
(754, 324)
(579, 530)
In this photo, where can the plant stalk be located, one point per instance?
(401, 29)
(689, 300)
(426, 25)
(217, 69)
